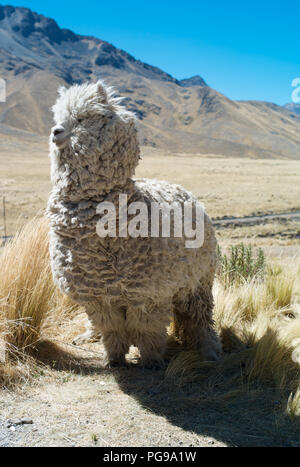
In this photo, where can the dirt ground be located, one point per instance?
(89, 406)
(74, 401)
(86, 405)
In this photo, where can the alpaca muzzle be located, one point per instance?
(59, 136)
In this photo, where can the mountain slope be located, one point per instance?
(36, 57)
(293, 108)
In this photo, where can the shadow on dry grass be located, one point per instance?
(222, 400)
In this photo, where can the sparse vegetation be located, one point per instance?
(258, 321)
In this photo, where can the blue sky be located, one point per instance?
(244, 49)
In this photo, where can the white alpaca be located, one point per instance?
(130, 286)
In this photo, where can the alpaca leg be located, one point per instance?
(152, 349)
(116, 347)
(114, 335)
(93, 323)
(148, 331)
(92, 334)
(109, 322)
(194, 322)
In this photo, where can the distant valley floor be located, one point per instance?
(229, 187)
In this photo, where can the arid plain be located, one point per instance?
(228, 186)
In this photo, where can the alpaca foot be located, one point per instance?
(116, 362)
(210, 355)
(153, 360)
(210, 347)
(152, 350)
(153, 364)
(87, 337)
(116, 347)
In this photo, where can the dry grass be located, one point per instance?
(219, 182)
(267, 233)
(29, 301)
(259, 324)
(258, 321)
(26, 285)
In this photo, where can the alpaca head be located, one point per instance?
(93, 145)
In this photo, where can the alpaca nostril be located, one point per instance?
(59, 135)
(58, 131)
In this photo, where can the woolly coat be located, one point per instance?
(96, 166)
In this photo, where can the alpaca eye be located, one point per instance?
(80, 120)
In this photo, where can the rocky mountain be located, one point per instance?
(37, 56)
(194, 81)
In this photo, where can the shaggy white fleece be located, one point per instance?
(129, 286)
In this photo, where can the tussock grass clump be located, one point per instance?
(280, 289)
(26, 289)
(259, 325)
(29, 301)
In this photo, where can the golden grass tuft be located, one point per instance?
(29, 301)
(26, 285)
(280, 289)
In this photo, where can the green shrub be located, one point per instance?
(241, 265)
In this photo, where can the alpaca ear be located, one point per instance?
(102, 92)
(61, 90)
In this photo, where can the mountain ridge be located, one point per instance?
(37, 56)
(293, 107)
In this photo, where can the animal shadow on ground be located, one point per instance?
(213, 399)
